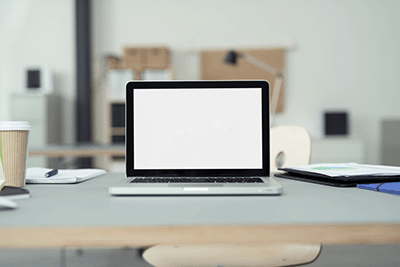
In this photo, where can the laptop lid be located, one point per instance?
(197, 128)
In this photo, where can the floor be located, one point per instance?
(354, 256)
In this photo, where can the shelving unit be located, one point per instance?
(117, 127)
(143, 63)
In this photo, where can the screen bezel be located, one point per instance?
(130, 86)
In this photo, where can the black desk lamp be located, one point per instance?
(232, 57)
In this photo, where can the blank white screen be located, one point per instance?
(197, 128)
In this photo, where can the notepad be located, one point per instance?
(36, 176)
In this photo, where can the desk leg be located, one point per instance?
(63, 257)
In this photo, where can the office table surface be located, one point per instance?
(85, 214)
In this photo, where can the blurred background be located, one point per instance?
(338, 57)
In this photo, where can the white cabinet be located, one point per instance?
(337, 150)
(43, 114)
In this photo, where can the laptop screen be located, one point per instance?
(204, 128)
(196, 128)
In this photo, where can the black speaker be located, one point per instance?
(33, 79)
(336, 123)
(39, 79)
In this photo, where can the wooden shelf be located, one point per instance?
(116, 101)
(118, 130)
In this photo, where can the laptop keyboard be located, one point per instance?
(197, 180)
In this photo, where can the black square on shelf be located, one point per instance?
(118, 139)
(118, 115)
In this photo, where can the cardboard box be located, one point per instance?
(133, 58)
(114, 62)
(140, 58)
(156, 58)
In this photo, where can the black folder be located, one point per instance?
(339, 181)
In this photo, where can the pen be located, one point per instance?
(51, 173)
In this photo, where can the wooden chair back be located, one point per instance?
(290, 146)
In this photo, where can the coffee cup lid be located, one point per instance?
(15, 126)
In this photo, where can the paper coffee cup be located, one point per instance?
(13, 151)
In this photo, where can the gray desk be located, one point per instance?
(86, 215)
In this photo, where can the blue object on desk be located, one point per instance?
(51, 173)
(390, 188)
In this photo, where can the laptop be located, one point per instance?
(197, 138)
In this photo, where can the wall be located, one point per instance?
(346, 53)
(34, 33)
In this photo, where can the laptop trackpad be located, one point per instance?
(194, 185)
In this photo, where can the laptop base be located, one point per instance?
(126, 188)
